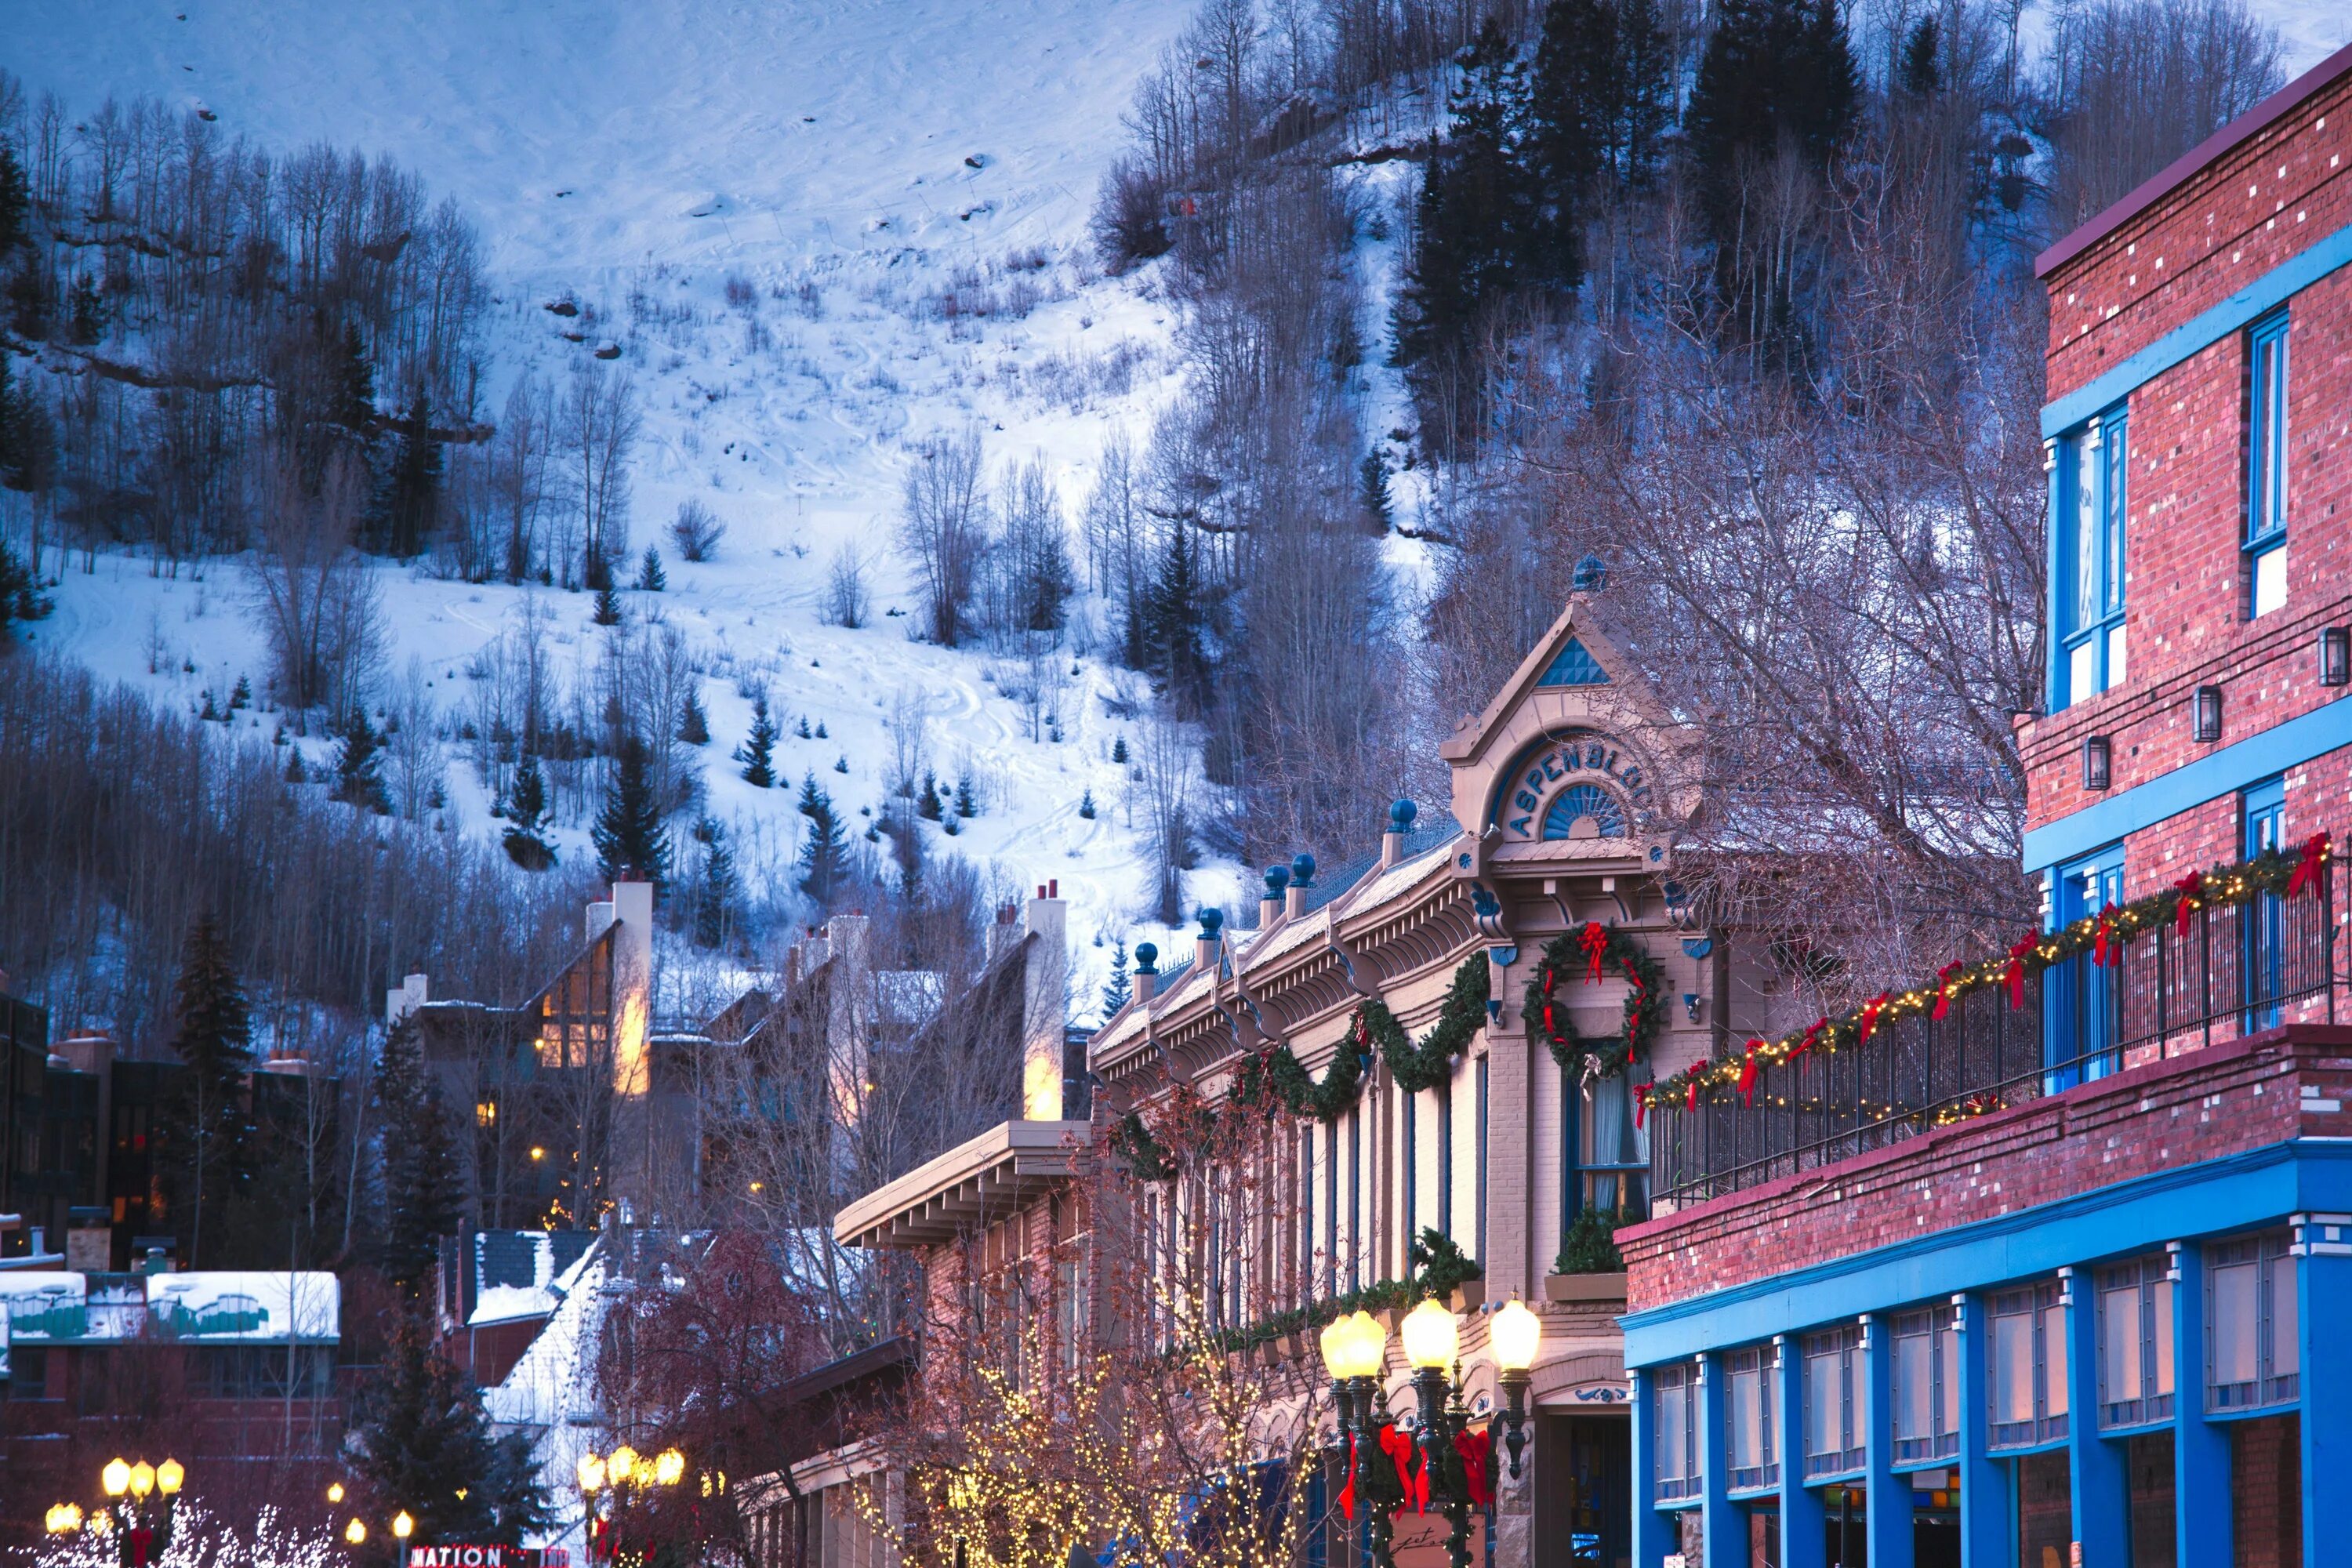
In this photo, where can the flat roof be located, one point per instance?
(972, 1183)
(2177, 172)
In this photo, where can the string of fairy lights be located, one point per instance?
(2282, 874)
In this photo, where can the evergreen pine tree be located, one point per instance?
(1087, 805)
(714, 904)
(758, 752)
(16, 206)
(825, 849)
(628, 833)
(426, 1445)
(928, 805)
(1772, 68)
(1373, 480)
(1119, 749)
(212, 1035)
(86, 312)
(820, 730)
(841, 764)
(422, 1202)
(526, 845)
(802, 729)
(608, 604)
(1921, 73)
(1599, 102)
(359, 766)
(1176, 641)
(413, 494)
(694, 724)
(294, 774)
(650, 577)
(242, 697)
(350, 376)
(966, 803)
(1115, 993)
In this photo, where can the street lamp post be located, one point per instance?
(623, 1469)
(1433, 1342)
(140, 1530)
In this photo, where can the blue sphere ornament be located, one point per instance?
(1302, 868)
(1146, 954)
(1400, 815)
(1212, 919)
(1276, 879)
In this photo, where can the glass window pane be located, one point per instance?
(2012, 1367)
(2087, 529)
(2236, 1315)
(2270, 580)
(2118, 448)
(1747, 1419)
(2286, 1351)
(1824, 1403)
(1947, 1379)
(2082, 669)
(1914, 1386)
(2119, 1360)
(2054, 1357)
(2163, 1331)
(1673, 1430)
(2116, 669)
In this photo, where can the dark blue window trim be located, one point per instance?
(2090, 487)
(2267, 381)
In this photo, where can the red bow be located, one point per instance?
(1551, 1030)
(1397, 1445)
(1690, 1095)
(2189, 886)
(2308, 870)
(1596, 943)
(1642, 1104)
(1347, 1492)
(1748, 1076)
(1474, 1449)
(2100, 941)
(1869, 1016)
(1944, 989)
(2014, 975)
(1806, 1043)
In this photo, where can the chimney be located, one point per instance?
(1145, 980)
(1302, 877)
(1045, 1004)
(1204, 946)
(408, 996)
(1269, 903)
(1400, 815)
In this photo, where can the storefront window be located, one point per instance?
(2027, 1366)
(2252, 1323)
(1833, 1426)
(1927, 1402)
(2136, 1342)
(1750, 1419)
(1676, 1443)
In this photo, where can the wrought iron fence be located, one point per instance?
(2235, 969)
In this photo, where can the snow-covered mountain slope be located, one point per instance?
(903, 186)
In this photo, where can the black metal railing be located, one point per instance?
(2234, 970)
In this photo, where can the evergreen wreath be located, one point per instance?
(1597, 953)
(1275, 1081)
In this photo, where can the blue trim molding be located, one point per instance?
(2217, 773)
(2192, 337)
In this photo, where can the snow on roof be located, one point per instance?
(540, 1289)
(228, 1305)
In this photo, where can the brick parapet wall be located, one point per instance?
(2199, 1106)
(2238, 218)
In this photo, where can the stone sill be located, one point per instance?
(1584, 1287)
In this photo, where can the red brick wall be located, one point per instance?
(2221, 1100)
(2185, 618)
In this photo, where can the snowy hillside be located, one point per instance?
(897, 194)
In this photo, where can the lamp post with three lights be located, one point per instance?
(1354, 1352)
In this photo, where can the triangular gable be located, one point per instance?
(1572, 666)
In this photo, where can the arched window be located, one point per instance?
(1580, 805)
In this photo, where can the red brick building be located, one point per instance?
(2049, 1274)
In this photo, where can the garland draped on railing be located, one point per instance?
(1275, 1080)
(2279, 873)
(1597, 953)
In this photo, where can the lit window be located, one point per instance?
(2136, 1377)
(486, 1113)
(2027, 1366)
(2253, 1322)
(1748, 1438)
(1927, 1386)
(1677, 1440)
(1833, 1423)
(2093, 479)
(2266, 465)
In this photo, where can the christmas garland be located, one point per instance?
(1275, 1080)
(2279, 873)
(1597, 953)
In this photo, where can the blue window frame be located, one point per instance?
(2266, 472)
(2092, 495)
(2263, 808)
(2080, 999)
